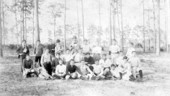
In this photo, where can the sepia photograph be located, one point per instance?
(84, 47)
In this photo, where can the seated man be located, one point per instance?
(106, 63)
(85, 72)
(135, 66)
(89, 60)
(43, 74)
(115, 72)
(27, 67)
(126, 71)
(98, 71)
(71, 70)
(60, 71)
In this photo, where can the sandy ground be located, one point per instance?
(156, 82)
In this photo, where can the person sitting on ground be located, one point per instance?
(106, 63)
(89, 60)
(60, 71)
(116, 74)
(71, 70)
(38, 51)
(55, 61)
(85, 73)
(28, 70)
(98, 70)
(126, 72)
(43, 74)
(136, 66)
(46, 60)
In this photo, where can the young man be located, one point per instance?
(58, 47)
(126, 71)
(46, 60)
(38, 51)
(135, 66)
(130, 50)
(89, 60)
(98, 71)
(71, 71)
(86, 47)
(28, 67)
(85, 72)
(114, 50)
(116, 75)
(22, 52)
(106, 64)
(60, 71)
(78, 57)
(55, 61)
(97, 51)
(67, 56)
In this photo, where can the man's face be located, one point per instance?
(88, 55)
(23, 43)
(97, 62)
(60, 62)
(71, 62)
(27, 57)
(57, 56)
(47, 51)
(113, 67)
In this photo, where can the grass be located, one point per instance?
(156, 82)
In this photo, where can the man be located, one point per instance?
(86, 47)
(130, 50)
(135, 66)
(27, 67)
(58, 47)
(60, 71)
(38, 51)
(55, 61)
(22, 52)
(98, 71)
(89, 60)
(85, 72)
(71, 70)
(106, 64)
(114, 50)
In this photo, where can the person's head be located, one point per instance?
(114, 42)
(83, 62)
(27, 57)
(113, 67)
(88, 55)
(24, 43)
(38, 42)
(47, 50)
(67, 51)
(131, 44)
(60, 61)
(72, 62)
(125, 58)
(97, 62)
(133, 53)
(57, 55)
(104, 56)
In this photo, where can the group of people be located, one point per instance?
(80, 61)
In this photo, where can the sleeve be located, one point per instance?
(35, 50)
(42, 59)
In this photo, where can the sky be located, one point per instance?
(132, 14)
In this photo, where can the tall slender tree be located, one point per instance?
(78, 25)
(110, 19)
(154, 24)
(158, 32)
(1, 46)
(122, 32)
(82, 9)
(37, 21)
(65, 25)
(144, 25)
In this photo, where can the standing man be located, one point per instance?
(22, 52)
(38, 51)
(114, 50)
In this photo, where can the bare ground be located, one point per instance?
(156, 82)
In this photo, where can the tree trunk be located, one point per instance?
(37, 21)
(154, 24)
(110, 21)
(166, 23)
(158, 32)
(82, 9)
(1, 46)
(143, 25)
(23, 20)
(65, 25)
(78, 27)
(122, 32)
(54, 27)
(33, 28)
(114, 20)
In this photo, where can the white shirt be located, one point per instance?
(114, 48)
(129, 52)
(78, 57)
(134, 61)
(97, 68)
(60, 69)
(97, 50)
(46, 58)
(86, 48)
(105, 63)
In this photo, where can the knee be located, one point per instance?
(67, 77)
(74, 76)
